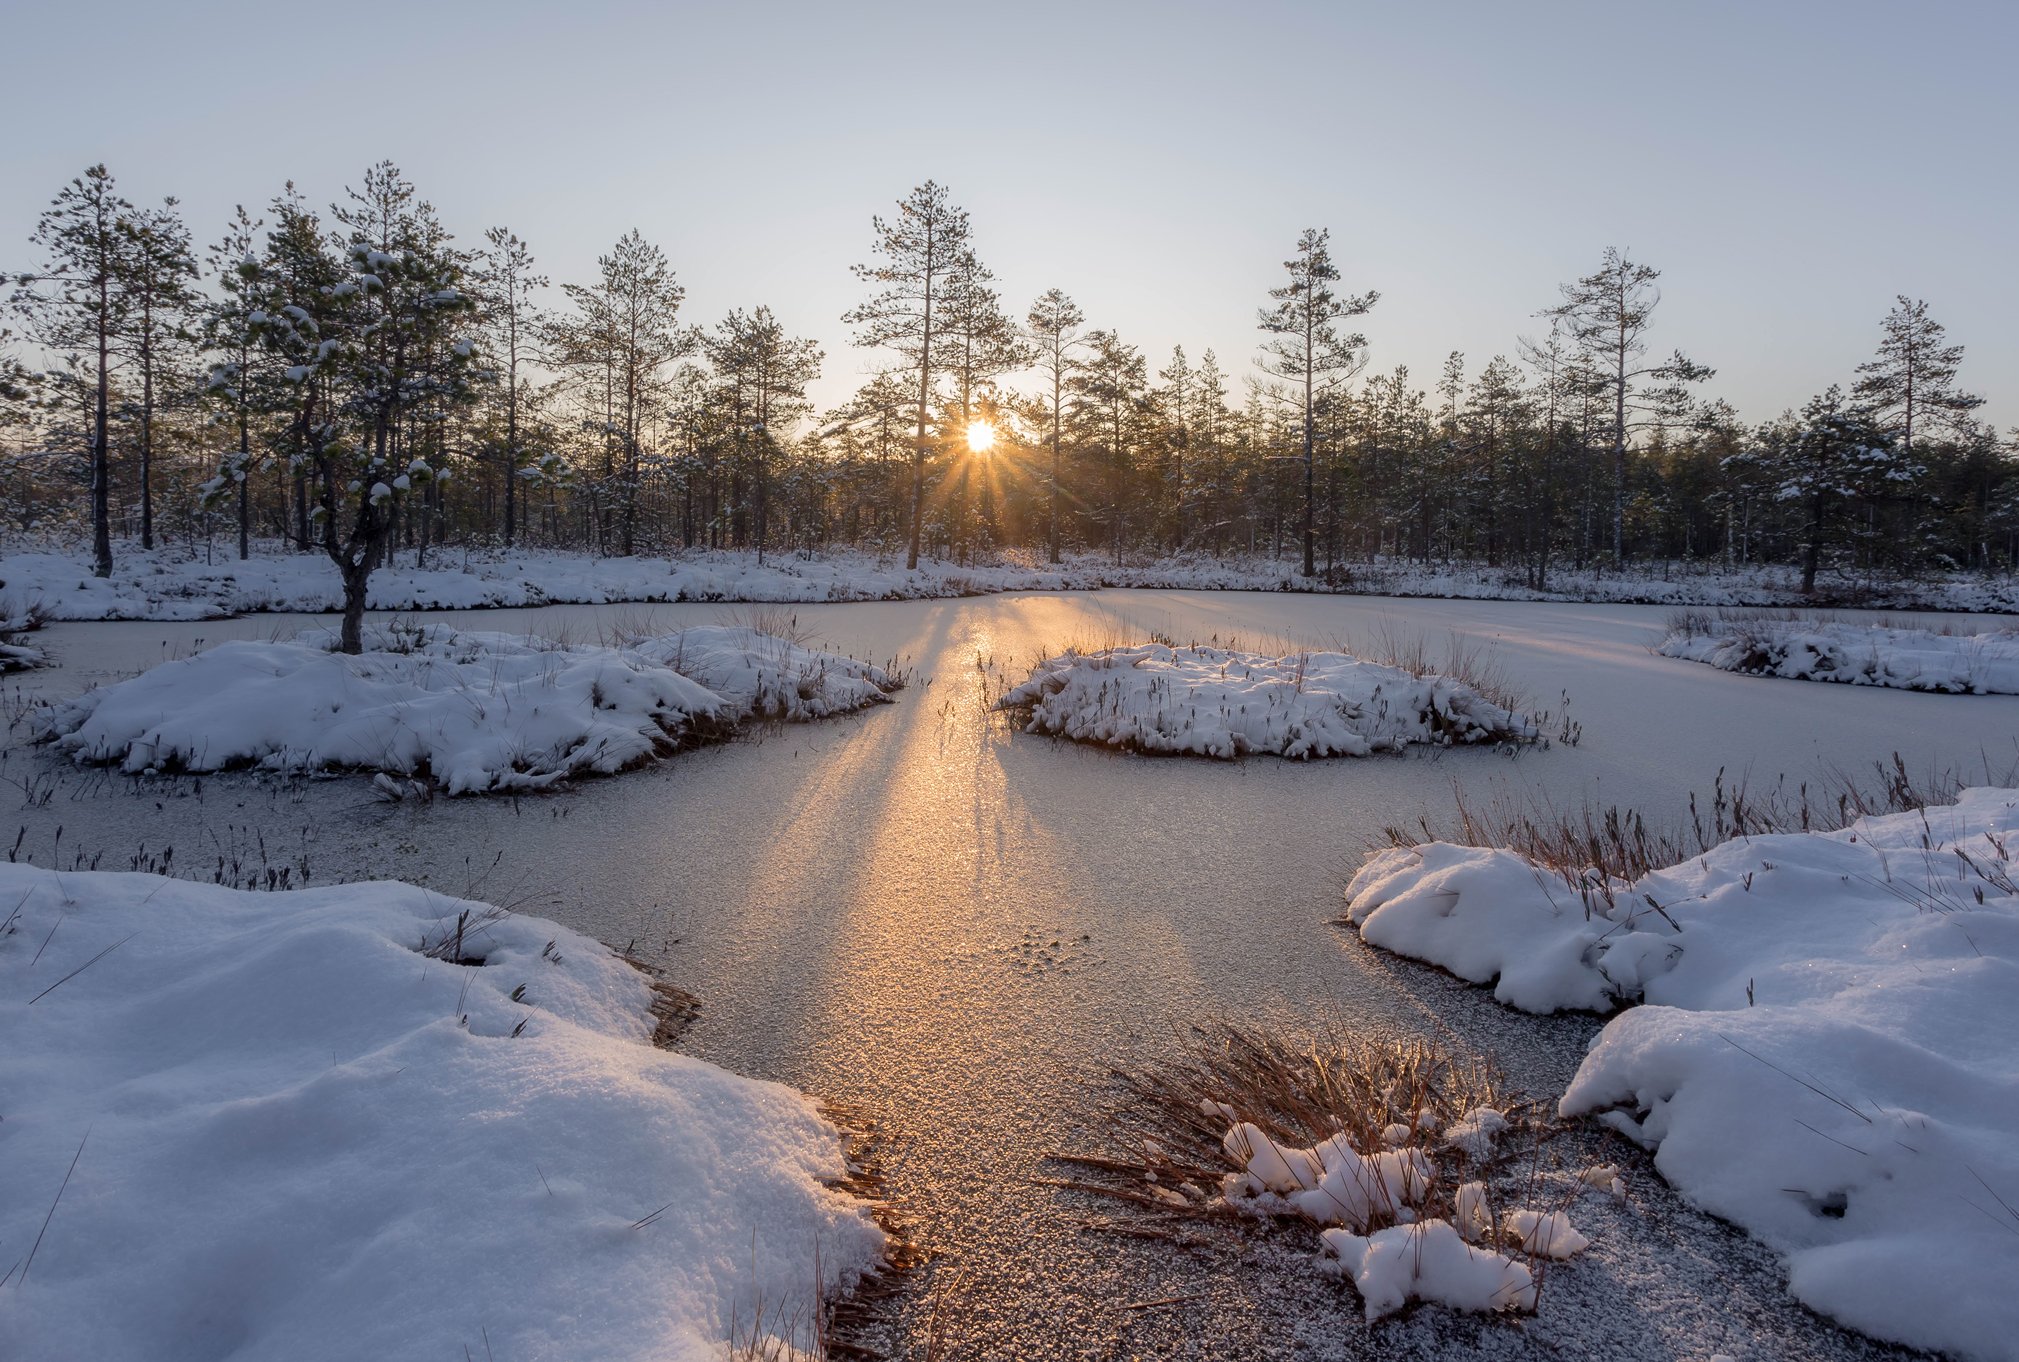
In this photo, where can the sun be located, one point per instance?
(980, 437)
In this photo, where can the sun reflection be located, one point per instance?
(980, 437)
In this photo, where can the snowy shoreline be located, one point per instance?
(1851, 653)
(286, 1125)
(1816, 1041)
(166, 585)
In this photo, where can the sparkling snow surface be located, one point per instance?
(958, 932)
(278, 1130)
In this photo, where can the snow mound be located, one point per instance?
(290, 1133)
(1823, 1051)
(1855, 654)
(480, 712)
(1428, 1262)
(1221, 702)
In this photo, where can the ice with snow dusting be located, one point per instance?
(1856, 654)
(268, 1125)
(1822, 1051)
(480, 712)
(1226, 703)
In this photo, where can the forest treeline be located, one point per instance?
(354, 379)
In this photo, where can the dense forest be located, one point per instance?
(355, 379)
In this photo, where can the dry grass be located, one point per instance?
(1598, 850)
(1165, 1157)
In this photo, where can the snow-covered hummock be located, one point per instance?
(480, 712)
(15, 653)
(1823, 1052)
(1221, 702)
(1857, 654)
(177, 583)
(296, 1136)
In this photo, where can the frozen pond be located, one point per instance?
(959, 932)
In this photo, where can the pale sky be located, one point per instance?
(1790, 167)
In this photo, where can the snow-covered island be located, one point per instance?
(375, 1121)
(1817, 1042)
(1822, 649)
(1219, 702)
(477, 712)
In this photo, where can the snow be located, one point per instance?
(16, 619)
(179, 584)
(1822, 1047)
(295, 1135)
(1428, 1262)
(1855, 654)
(479, 712)
(1222, 702)
(1376, 1233)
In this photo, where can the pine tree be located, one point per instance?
(1911, 383)
(1834, 452)
(768, 372)
(1053, 328)
(1309, 349)
(626, 329)
(157, 305)
(85, 274)
(377, 358)
(505, 282)
(1609, 313)
(237, 385)
(1111, 399)
(921, 247)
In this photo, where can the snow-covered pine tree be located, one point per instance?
(1833, 452)
(242, 383)
(373, 342)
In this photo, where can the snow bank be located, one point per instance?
(1823, 1052)
(289, 1133)
(1219, 702)
(1855, 654)
(171, 584)
(480, 712)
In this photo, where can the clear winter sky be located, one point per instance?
(1789, 166)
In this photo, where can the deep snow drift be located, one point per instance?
(272, 1125)
(1823, 1048)
(1220, 702)
(1856, 654)
(177, 584)
(480, 712)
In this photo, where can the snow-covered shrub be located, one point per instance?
(1222, 702)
